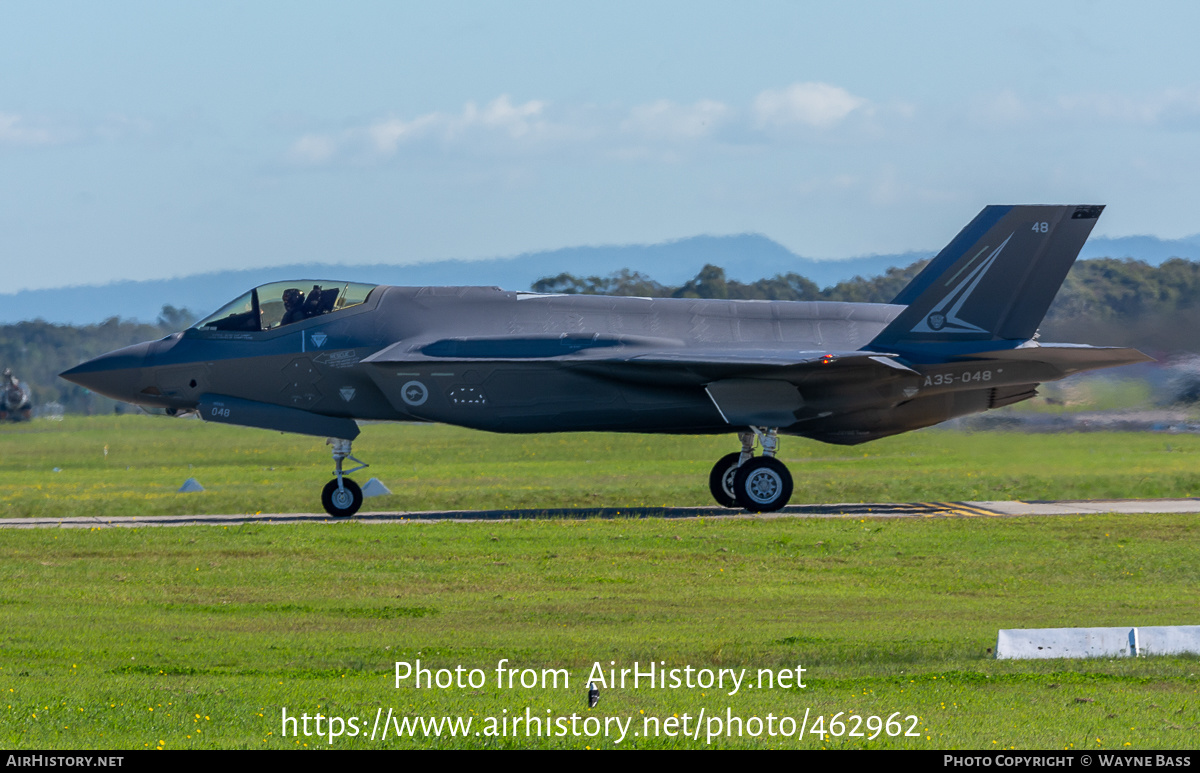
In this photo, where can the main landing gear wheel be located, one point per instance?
(342, 502)
(762, 485)
(720, 480)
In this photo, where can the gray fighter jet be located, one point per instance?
(312, 356)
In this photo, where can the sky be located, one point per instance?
(152, 140)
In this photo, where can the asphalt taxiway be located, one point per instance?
(997, 509)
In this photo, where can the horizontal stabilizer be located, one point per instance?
(1067, 357)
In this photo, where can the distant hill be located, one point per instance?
(745, 257)
(1149, 249)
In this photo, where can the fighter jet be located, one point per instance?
(311, 357)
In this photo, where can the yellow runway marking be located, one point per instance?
(946, 510)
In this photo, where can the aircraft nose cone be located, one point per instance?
(117, 374)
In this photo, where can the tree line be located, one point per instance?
(1104, 301)
(711, 282)
(38, 351)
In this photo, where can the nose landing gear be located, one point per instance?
(759, 484)
(342, 497)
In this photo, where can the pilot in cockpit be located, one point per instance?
(293, 304)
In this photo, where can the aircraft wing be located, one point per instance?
(748, 386)
(770, 388)
(795, 367)
(626, 356)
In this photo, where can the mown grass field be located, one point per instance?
(133, 465)
(199, 637)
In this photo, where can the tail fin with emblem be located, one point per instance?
(992, 284)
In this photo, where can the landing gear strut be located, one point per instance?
(342, 497)
(759, 484)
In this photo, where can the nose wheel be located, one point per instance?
(341, 496)
(759, 484)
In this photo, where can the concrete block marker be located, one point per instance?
(191, 485)
(1121, 642)
(1169, 640)
(375, 488)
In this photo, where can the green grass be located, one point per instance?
(119, 638)
(430, 467)
(199, 637)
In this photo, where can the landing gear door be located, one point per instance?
(745, 402)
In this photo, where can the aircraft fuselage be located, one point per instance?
(548, 363)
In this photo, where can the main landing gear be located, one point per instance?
(760, 484)
(342, 497)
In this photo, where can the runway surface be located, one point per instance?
(904, 510)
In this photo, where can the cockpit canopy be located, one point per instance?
(274, 305)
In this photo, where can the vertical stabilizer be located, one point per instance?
(994, 281)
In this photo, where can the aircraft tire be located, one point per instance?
(344, 503)
(763, 485)
(720, 480)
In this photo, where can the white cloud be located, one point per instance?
(15, 130)
(46, 131)
(818, 105)
(502, 114)
(313, 149)
(670, 121)
(1168, 108)
(1003, 109)
(662, 130)
(1162, 107)
(386, 135)
(500, 117)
